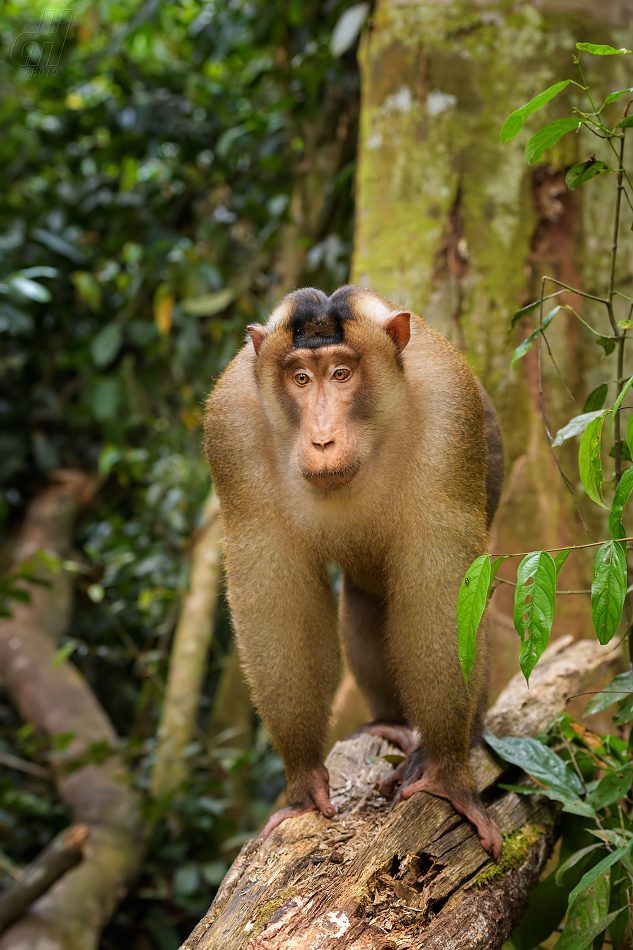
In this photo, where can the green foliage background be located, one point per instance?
(147, 191)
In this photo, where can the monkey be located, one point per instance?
(348, 431)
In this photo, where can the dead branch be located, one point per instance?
(415, 877)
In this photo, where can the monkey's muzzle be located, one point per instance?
(329, 480)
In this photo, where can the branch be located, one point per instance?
(57, 699)
(63, 853)
(414, 876)
(188, 658)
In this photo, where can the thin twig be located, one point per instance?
(566, 547)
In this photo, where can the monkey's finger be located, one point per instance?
(322, 801)
(292, 811)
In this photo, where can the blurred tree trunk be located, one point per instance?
(187, 663)
(459, 227)
(56, 699)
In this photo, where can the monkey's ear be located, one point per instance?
(258, 334)
(398, 326)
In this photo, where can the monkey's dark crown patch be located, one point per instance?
(317, 320)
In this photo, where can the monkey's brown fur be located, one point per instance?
(409, 511)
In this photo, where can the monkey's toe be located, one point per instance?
(311, 792)
(395, 732)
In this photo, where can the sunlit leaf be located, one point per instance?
(589, 459)
(526, 346)
(629, 435)
(30, 289)
(618, 402)
(548, 136)
(625, 123)
(574, 859)
(64, 653)
(471, 603)
(534, 606)
(608, 590)
(576, 426)
(614, 96)
(209, 304)
(347, 28)
(516, 120)
(600, 49)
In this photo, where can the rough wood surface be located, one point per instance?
(412, 877)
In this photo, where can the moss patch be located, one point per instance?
(265, 911)
(515, 849)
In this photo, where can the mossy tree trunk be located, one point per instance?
(459, 227)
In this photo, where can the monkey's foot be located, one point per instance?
(310, 792)
(395, 732)
(464, 801)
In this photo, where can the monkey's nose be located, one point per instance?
(323, 444)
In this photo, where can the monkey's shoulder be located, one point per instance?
(233, 408)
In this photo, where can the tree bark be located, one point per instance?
(187, 662)
(57, 699)
(460, 228)
(417, 876)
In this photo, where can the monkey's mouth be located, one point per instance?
(330, 479)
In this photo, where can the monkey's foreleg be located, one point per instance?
(422, 631)
(285, 620)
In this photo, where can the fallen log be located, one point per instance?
(411, 878)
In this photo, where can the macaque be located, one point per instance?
(348, 431)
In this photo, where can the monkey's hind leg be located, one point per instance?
(362, 619)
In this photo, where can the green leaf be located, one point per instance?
(589, 459)
(56, 243)
(589, 916)
(618, 689)
(64, 652)
(584, 171)
(574, 859)
(105, 398)
(618, 402)
(625, 714)
(608, 590)
(622, 495)
(625, 123)
(576, 426)
(530, 308)
(560, 559)
(494, 567)
(538, 760)
(471, 603)
(601, 50)
(209, 304)
(625, 454)
(597, 870)
(30, 289)
(596, 398)
(571, 803)
(548, 136)
(534, 606)
(629, 435)
(106, 345)
(611, 788)
(516, 120)
(614, 96)
(526, 346)
(607, 344)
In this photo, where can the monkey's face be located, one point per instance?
(323, 387)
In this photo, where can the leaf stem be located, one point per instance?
(566, 547)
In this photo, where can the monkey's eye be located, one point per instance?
(341, 374)
(301, 379)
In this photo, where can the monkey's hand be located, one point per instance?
(417, 775)
(310, 791)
